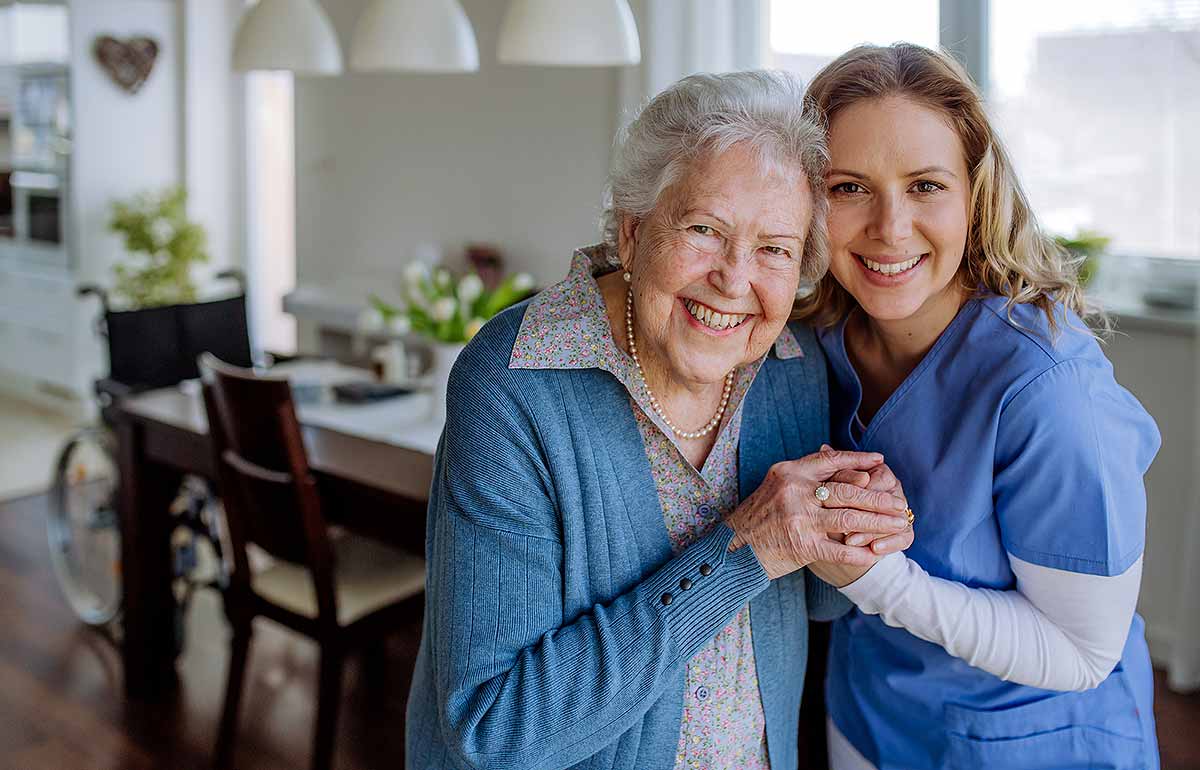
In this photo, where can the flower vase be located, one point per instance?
(444, 355)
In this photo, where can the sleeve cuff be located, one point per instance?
(694, 605)
(825, 602)
(870, 588)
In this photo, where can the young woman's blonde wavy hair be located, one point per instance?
(1006, 252)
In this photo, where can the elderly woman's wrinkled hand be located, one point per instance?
(879, 479)
(790, 528)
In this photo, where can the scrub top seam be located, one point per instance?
(1038, 377)
(1044, 345)
(1105, 484)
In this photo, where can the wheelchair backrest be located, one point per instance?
(157, 347)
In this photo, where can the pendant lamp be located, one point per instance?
(579, 33)
(293, 35)
(414, 35)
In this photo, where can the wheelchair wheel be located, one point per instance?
(83, 527)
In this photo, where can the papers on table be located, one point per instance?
(403, 421)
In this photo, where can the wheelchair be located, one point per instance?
(147, 348)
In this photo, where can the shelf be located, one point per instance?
(36, 68)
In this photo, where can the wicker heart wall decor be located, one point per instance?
(127, 62)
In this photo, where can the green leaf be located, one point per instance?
(1085, 242)
(388, 311)
(163, 246)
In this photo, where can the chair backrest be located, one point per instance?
(271, 498)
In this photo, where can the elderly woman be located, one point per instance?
(599, 593)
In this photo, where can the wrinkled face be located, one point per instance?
(716, 265)
(899, 204)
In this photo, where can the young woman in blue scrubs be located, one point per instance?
(1006, 636)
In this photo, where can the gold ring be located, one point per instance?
(908, 512)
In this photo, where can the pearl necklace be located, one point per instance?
(716, 419)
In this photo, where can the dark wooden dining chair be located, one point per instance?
(344, 591)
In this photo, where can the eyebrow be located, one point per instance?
(933, 169)
(918, 172)
(708, 213)
(845, 172)
(729, 226)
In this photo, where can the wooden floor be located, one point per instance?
(30, 439)
(61, 706)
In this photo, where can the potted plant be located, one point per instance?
(1087, 246)
(446, 309)
(163, 246)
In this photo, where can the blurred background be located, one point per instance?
(350, 161)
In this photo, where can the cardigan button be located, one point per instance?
(705, 570)
(704, 510)
(667, 599)
(685, 584)
(702, 693)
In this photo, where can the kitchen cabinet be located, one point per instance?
(71, 142)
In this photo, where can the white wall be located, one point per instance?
(516, 156)
(123, 143)
(1158, 365)
(213, 132)
(183, 126)
(1183, 672)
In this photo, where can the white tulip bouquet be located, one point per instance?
(442, 306)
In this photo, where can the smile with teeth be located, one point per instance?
(894, 268)
(711, 318)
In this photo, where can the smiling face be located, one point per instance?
(716, 265)
(899, 206)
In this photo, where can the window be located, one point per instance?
(805, 36)
(1099, 104)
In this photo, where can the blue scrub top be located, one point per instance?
(1006, 443)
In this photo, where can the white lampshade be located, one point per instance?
(580, 33)
(293, 35)
(417, 35)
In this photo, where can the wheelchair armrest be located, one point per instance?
(236, 275)
(113, 389)
(283, 358)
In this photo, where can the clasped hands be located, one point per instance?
(839, 538)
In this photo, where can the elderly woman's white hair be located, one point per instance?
(708, 114)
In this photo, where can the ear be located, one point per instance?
(627, 235)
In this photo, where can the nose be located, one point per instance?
(891, 220)
(731, 273)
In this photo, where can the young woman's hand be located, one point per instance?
(880, 478)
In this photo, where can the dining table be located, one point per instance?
(373, 463)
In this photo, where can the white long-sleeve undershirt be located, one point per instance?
(1057, 630)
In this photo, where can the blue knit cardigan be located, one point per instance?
(547, 642)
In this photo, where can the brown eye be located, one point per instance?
(702, 230)
(925, 186)
(777, 251)
(847, 188)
